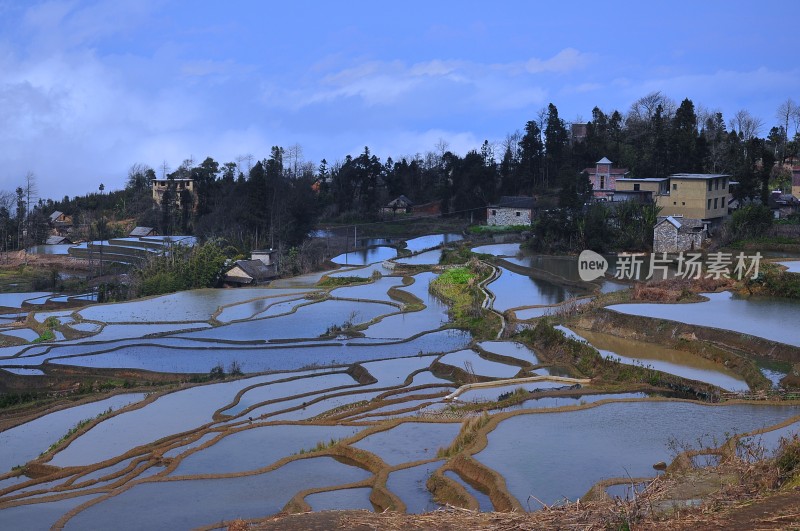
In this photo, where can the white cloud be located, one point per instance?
(500, 86)
(60, 25)
(566, 60)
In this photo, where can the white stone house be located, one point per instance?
(510, 210)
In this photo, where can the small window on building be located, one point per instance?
(709, 184)
(715, 202)
(674, 202)
(674, 186)
(494, 212)
(716, 184)
(518, 214)
(709, 204)
(602, 182)
(636, 187)
(683, 203)
(723, 203)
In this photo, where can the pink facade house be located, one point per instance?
(604, 178)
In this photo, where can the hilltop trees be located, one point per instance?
(274, 201)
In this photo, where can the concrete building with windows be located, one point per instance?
(697, 196)
(177, 188)
(703, 196)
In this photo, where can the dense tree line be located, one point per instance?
(273, 202)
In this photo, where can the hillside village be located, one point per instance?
(573, 186)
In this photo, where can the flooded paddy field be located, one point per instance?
(340, 500)
(566, 453)
(774, 319)
(409, 442)
(213, 500)
(337, 397)
(660, 358)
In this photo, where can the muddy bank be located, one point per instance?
(733, 350)
(664, 331)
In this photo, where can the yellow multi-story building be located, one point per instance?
(654, 186)
(692, 195)
(796, 182)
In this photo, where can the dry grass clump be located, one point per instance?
(677, 289)
(238, 525)
(764, 497)
(643, 292)
(467, 434)
(591, 516)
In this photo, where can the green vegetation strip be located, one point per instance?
(460, 288)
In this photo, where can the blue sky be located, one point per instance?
(88, 88)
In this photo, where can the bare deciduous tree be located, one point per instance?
(294, 159)
(788, 111)
(645, 107)
(441, 147)
(248, 158)
(746, 125)
(511, 144)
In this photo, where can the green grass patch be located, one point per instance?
(459, 255)
(27, 278)
(47, 335)
(335, 282)
(8, 400)
(773, 282)
(459, 288)
(455, 276)
(497, 229)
